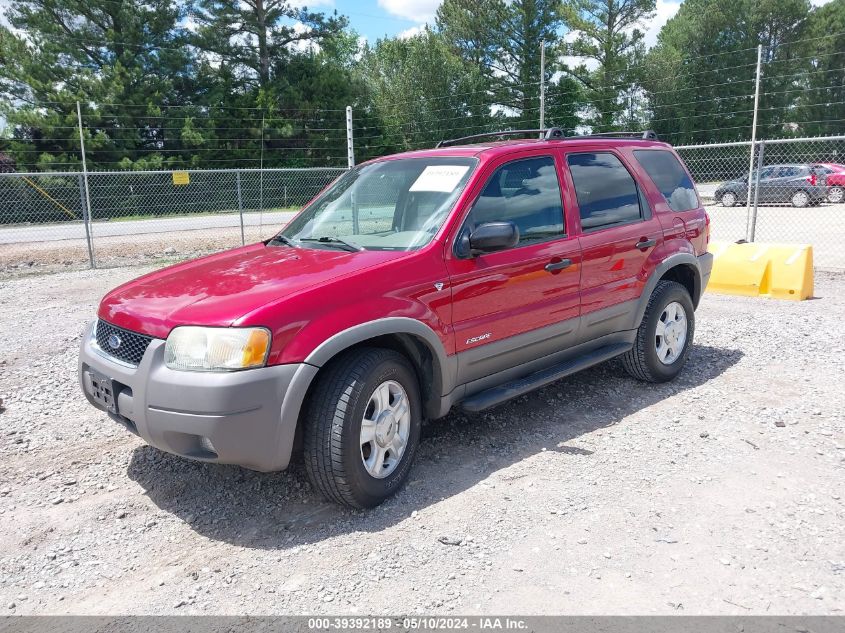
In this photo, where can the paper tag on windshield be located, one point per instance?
(443, 178)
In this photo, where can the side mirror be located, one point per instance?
(489, 238)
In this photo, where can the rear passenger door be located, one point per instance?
(618, 234)
(771, 184)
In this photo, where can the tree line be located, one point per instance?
(249, 83)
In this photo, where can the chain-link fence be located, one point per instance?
(793, 194)
(181, 212)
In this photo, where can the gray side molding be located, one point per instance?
(444, 369)
(292, 403)
(675, 260)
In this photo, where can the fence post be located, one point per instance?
(752, 221)
(753, 134)
(85, 221)
(350, 148)
(240, 205)
(261, 184)
(83, 183)
(542, 86)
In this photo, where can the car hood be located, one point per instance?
(219, 289)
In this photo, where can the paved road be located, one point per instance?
(76, 230)
(822, 226)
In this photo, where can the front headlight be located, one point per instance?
(190, 348)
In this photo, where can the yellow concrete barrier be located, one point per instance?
(779, 271)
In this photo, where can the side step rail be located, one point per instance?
(509, 390)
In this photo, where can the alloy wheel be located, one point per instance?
(385, 428)
(671, 333)
(800, 199)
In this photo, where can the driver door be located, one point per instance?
(516, 305)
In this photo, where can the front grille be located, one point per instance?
(131, 345)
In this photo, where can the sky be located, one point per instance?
(374, 19)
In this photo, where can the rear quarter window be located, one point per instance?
(671, 178)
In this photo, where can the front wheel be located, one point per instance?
(836, 194)
(800, 199)
(362, 427)
(729, 199)
(665, 335)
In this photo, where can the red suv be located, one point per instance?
(464, 275)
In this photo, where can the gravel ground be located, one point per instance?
(720, 493)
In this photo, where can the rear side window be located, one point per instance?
(525, 192)
(606, 191)
(670, 177)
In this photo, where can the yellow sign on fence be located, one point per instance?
(181, 178)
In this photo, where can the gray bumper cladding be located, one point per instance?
(244, 417)
(705, 262)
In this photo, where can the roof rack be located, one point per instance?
(647, 135)
(548, 133)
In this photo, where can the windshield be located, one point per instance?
(388, 205)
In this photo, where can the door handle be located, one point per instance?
(555, 266)
(644, 244)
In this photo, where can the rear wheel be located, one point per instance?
(665, 335)
(728, 199)
(362, 427)
(836, 194)
(800, 199)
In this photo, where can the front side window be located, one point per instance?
(670, 177)
(525, 192)
(389, 205)
(607, 193)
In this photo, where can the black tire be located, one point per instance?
(641, 361)
(332, 426)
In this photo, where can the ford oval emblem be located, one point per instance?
(114, 341)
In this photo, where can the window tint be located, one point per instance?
(790, 171)
(670, 177)
(525, 192)
(607, 194)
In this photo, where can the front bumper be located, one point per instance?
(245, 417)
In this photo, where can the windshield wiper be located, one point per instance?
(334, 241)
(281, 239)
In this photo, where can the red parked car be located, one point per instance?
(835, 174)
(463, 276)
